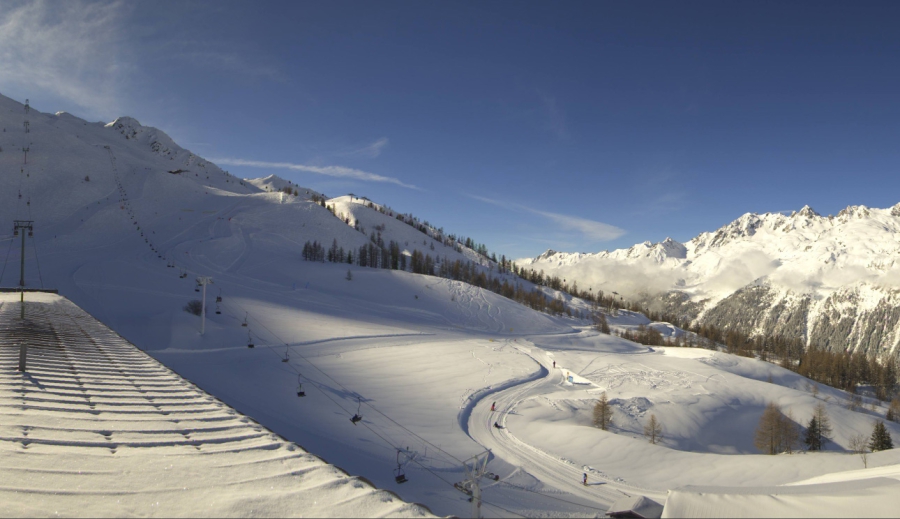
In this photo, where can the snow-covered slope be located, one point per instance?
(419, 358)
(94, 417)
(830, 279)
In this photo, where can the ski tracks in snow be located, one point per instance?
(564, 474)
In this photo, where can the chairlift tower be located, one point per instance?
(26, 150)
(23, 225)
(203, 281)
(476, 468)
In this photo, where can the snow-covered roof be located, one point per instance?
(874, 497)
(636, 505)
(95, 427)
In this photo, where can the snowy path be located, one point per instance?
(95, 417)
(561, 474)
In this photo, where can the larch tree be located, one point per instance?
(600, 323)
(653, 430)
(767, 438)
(603, 413)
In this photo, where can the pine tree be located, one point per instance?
(819, 429)
(811, 439)
(603, 413)
(653, 430)
(602, 326)
(881, 438)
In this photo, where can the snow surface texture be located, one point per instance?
(420, 358)
(94, 427)
(831, 279)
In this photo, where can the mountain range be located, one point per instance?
(830, 280)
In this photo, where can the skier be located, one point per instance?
(554, 364)
(497, 425)
(584, 479)
(494, 407)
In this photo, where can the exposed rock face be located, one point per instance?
(830, 280)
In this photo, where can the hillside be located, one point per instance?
(831, 280)
(419, 359)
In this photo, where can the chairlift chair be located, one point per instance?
(244, 324)
(399, 476)
(357, 417)
(250, 341)
(300, 391)
(287, 354)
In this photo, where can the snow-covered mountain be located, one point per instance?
(832, 280)
(124, 219)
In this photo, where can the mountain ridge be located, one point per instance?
(773, 266)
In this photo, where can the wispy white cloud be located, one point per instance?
(331, 171)
(371, 150)
(216, 55)
(593, 230)
(72, 50)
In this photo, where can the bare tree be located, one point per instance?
(790, 433)
(603, 413)
(894, 410)
(653, 430)
(776, 432)
(859, 445)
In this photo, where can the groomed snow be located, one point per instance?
(421, 358)
(97, 428)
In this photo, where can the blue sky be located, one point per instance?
(577, 126)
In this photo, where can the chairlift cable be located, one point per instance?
(11, 241)
(388, 442)
(348, 390)
(40, 276)
(552, 497)
(327, 394)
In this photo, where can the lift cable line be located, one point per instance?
(11, 243)
(337, 404)
(300, 392)
(22, 226)
(411, 459)
(369, 405)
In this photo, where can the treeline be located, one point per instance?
(391, 257)
(842, 370)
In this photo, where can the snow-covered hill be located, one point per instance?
(832, 280)
(420, 358)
